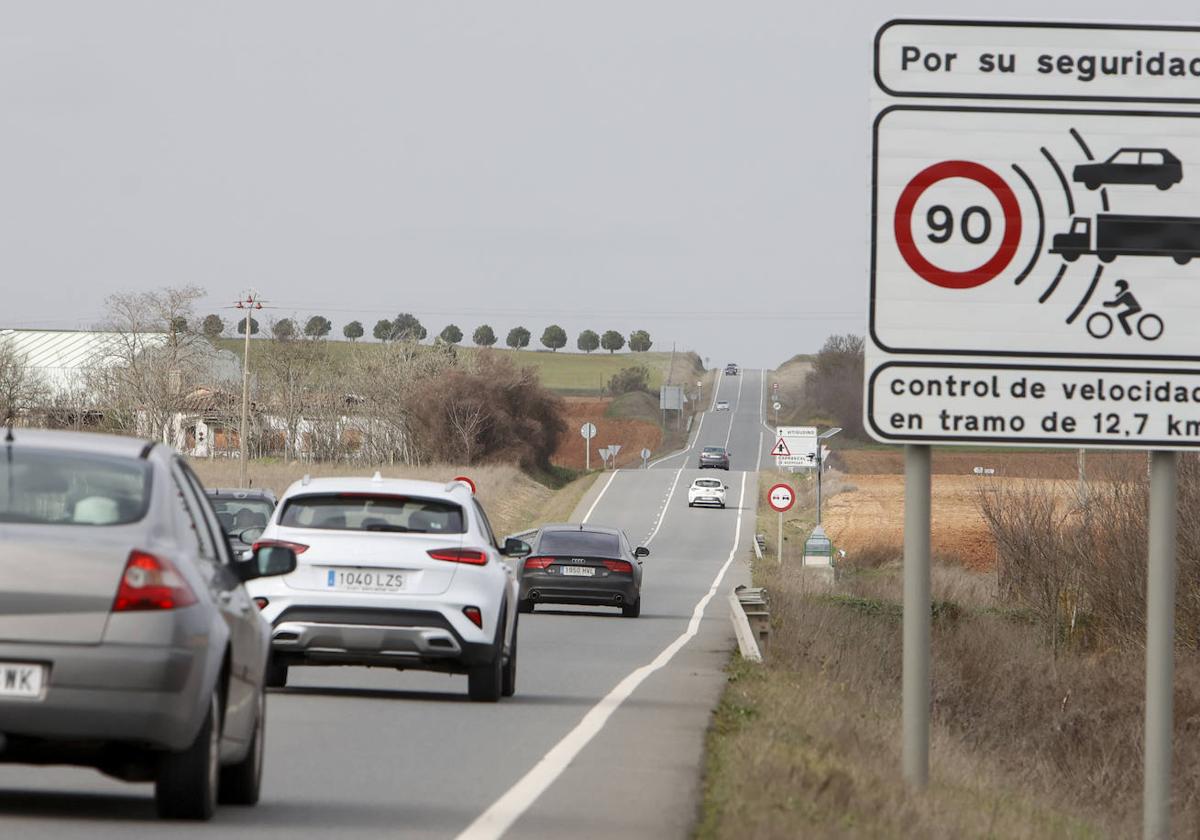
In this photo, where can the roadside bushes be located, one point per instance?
(489, 411)
(1077, 559)
(628, 380)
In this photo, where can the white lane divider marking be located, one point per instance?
(603, 490)
(762, 396)
(737, 401)
(662, 512)
(501, 814)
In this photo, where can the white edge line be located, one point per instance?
(737, 402)
(603, 490)
(501, 814)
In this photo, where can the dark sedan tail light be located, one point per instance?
(151, 583)
(470, 556)
(618, 566)
(534, 563)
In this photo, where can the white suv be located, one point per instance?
(393, 573)
(707, 491)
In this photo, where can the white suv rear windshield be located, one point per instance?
(373, 512)
(46, 486)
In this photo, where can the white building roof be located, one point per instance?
(60, 357)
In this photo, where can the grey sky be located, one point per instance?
(696, 169)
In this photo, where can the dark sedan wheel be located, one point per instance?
(632, 610)
(186, 788)
(241, 783)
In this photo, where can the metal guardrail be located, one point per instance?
(760, 546)
(749, 610)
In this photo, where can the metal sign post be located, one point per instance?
(588, 430)
(1053, 206)
(645, 459)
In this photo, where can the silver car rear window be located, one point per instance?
(56, 487)
(372, 512)
(581, 543)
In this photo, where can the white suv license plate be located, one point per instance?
(22, 680)
(364, 580)
(578, 571)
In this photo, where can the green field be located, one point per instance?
(566, 373)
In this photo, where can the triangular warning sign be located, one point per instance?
(781, 449)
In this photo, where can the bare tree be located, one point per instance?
(290, 370)
(21, 388)
(152, 366)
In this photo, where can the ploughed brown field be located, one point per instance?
(630, 434)
(867, 514)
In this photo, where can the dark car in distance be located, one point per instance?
(731, 369)
(714, 457)
(583, 564)
(1157, 167)
(243, 514)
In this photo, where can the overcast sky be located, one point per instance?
(696, 169)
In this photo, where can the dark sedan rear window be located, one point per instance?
(53, 487)
(580, 543)
(713, 450)
(372, 512)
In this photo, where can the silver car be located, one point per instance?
(127, 641)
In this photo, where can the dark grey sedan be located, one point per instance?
(243, 514)
(714, 457)
(582, 564)
(127, 641)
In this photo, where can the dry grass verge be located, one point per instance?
(1025, 744)
(512, 499)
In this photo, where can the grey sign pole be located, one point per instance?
(917, 491)
(1160, 647)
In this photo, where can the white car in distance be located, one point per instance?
(707, 491)
(392, 573)
(722, 405)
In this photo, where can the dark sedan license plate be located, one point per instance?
(579, 571)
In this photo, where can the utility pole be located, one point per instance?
(251, 304)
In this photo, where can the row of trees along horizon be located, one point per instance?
(406, 327)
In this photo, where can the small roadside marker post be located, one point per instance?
(780, 497)
(645, 459)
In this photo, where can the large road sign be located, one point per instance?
(795, 446)
(588, 430)
(1035, 271)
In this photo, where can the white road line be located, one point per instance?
(499, 817)
(662, 514)
(737, 401)
(762, 402)
(603, 490)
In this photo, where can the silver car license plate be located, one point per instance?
(22, 680)
(364, 580)
(579, 571)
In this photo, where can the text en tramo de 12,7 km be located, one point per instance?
(1020, 405)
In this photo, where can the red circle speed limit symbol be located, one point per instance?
(943, 277)
(781, 498)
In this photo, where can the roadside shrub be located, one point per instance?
(488, 412)
(630, 379)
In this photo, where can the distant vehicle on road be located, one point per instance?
(731, 369)
(716, 457)
(243, 514)
(583, 564)
(722, 405)
(393, 573)
(707, 491)
(1132, 166)
(1177, 237)
(127, 640)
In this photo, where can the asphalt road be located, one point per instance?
(604, 738)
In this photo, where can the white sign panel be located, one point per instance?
(1035, 272)
(795, 446)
